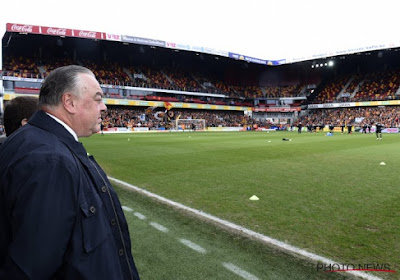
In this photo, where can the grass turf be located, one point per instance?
(328, 195)
(160, 255)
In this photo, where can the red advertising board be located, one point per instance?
(55, 31)
(22, 28)
(87, 34)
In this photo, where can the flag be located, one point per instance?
(167, 105)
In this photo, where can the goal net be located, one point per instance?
(190, 124)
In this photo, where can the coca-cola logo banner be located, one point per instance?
(56, 31)
(22, 28)
(87, 34)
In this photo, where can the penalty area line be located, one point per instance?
(244, 231)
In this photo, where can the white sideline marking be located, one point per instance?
(193, 246)
(159, 227)
(140, 216)
(242, 230)
(238, 271)
(126, 208)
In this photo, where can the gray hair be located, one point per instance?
(61, 80)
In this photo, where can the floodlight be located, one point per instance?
(330, 63)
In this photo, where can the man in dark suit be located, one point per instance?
(18, 111)
(60, 218)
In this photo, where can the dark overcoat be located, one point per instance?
(60, 218)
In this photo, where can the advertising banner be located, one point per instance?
(278, 109)
(141, 129)
(56, 31)
(354, 104)
(378, 103)
(391, 130)
(332, 105)
(385, 130)
(113, 37)
(142, 41)
(219, 128)
(256, 60)
(87, 34)
(112, 101)
(247, 58)
(11, 78)
(177, 46)
(22, 28)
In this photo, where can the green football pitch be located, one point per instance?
(335, 196)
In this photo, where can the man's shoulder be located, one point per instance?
(32, 144)
(31, 136)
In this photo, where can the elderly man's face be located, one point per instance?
(89, 106)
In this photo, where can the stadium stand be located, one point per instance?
(22, 67)
(389, 116)
(142, 73)
(330, 92)
(379, 86)
(134, 117)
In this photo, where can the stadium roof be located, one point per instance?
(270, 32)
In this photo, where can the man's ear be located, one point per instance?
(68, 101)
(24, 122)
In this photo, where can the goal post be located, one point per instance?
(190, 124)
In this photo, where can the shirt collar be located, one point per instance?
(65, 125)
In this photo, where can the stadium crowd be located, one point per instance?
(389, 116)
(381, 85)
(156, 118)
(352, 86)
(143, 76)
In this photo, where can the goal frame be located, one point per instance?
(186, 124)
